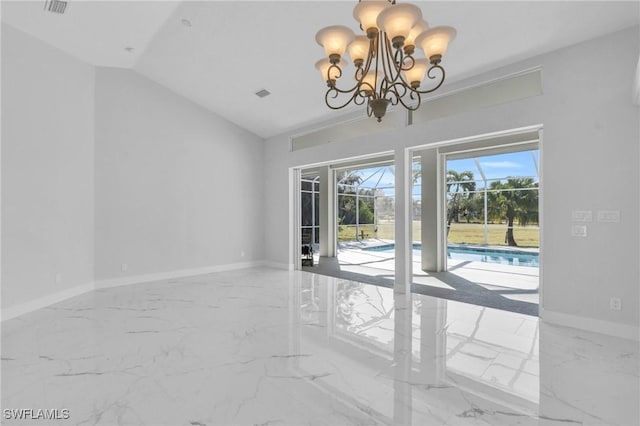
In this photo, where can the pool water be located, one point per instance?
(504, 257)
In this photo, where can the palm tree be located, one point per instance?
(517, 198)
(347, 181)
(462, 183)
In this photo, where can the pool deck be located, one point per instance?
(509, 287)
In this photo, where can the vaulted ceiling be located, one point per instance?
(219, 53)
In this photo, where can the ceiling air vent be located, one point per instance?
(55, 6)
(263, 93)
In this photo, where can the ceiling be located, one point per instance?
(219, 53)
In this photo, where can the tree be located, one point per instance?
(416, 171)
(347, 181)
(472, 207)
(365, 210)
(347, 184)
(517, 198)
(458, 187)
(350, 192)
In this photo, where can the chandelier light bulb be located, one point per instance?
(334, 40)
(359, 50)
(416, 74)
(366, 12)
(398, 20)
(434, 42)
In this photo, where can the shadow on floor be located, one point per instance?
(463, 290)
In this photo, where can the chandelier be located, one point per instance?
(387, 72)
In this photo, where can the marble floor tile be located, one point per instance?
(269, 347)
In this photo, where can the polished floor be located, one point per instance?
(269, 347)
(508, 287)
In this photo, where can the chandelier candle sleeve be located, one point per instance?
(396, 61)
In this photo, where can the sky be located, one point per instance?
(520, 164)
(516, 164)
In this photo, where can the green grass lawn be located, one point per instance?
(460, 233)
(463, 233)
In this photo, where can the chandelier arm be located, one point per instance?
(392, 95)
(385, 88)
(377, 93)
(409, 106)
(412, 95)
(386, 65)
(432, 77)
(392, 70)
(329, 95)
(413, 63)
(382, 77)
(367, 66)
(335, 89)
(370, 55)
(336, 67)
(373, 49)
(398, 60)
(402, 79)
(338, 91)
(400, 94)
(384, 55)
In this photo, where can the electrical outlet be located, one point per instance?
(242, 254)
(579, 230)
(58, 278)
(124, 267)
(615, 303)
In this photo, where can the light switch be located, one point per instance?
(581, 216)
(611, 216)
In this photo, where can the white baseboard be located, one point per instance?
(159, 276)
(44, 301)
(277, 265)
(609, 328)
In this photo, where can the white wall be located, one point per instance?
(47, 169)
(589, 162)
(177, 187)
(104, 167)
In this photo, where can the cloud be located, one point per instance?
(501, 165)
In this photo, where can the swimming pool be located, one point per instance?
(476, 254)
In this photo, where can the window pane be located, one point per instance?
(317, 209)
(306, 235)
(307, 211)
(346, 209)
